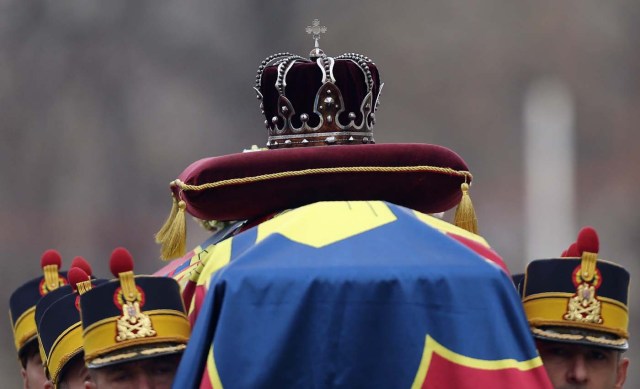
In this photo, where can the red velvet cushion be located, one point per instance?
(424, 191)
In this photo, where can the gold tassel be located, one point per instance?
(465, 216)
(162, 232)
(174, 241)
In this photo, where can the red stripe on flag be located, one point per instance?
(205, 383)
(482, 250)
(445, 374)
(198, 298)
(169, 269)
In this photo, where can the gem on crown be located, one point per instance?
(304, 105)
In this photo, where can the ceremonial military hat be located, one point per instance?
(52, 296)
(22, 303)
(308, 104)
(578, 298)
(59, 325)
(132, 317)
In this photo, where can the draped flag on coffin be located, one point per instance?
(357, 294)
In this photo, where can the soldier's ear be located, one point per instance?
(621, 376)
(25, 383)
(89, 385)
(48, 385)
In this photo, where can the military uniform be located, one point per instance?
(578, 298)
(59, 325)
(132, 317)
(22, 303)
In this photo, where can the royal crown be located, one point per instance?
(303, 102)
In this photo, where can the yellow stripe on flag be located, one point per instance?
(213, 371)
(445, 227)
(433, 347)
(217, 256)
(333, 221)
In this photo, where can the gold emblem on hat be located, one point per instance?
(133, 323)
(50, 284)
(584, 305)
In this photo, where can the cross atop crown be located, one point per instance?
(302, 101)
(316, 29)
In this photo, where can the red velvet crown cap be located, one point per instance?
(305, 79)
(588, 241)
(425, 191)
(51, 257)
(82, 264)
(76, 275)
(121, 261)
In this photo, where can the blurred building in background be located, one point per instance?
(102, 104)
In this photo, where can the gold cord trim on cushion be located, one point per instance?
(344, 169)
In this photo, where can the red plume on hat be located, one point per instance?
(82, 264)
(76, 275)
(588, 240)
(121, 265)
(51, 257)
(80, 275)
(121, 261)
(572, 251)
(51, 262)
